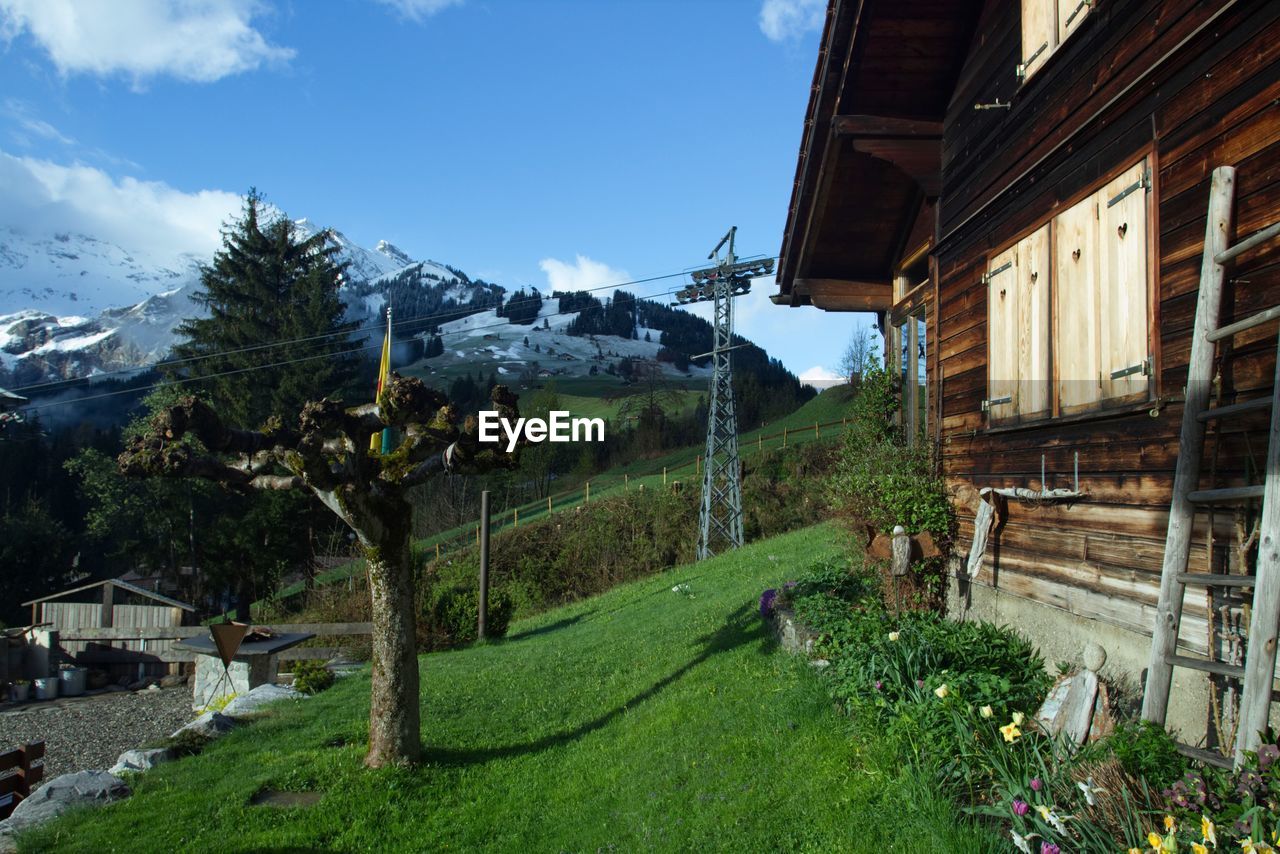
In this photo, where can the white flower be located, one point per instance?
(986, 711)
(942, 691)
(1020, 842)
(893, 636)
(1088, 789)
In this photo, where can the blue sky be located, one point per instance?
(544, 142)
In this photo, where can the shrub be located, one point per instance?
(1145, 750)
(452, 616)
(311, 677)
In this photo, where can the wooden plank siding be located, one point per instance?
(1189, 86)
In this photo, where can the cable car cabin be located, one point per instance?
(1019, 189)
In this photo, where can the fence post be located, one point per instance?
(548, 505)
(815, 430)
(484, 563)
(517, 522)
(588, 498)
(784, 437)
(437, 551)
(626, 482)
(664, 475)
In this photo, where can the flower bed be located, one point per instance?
(961, 698)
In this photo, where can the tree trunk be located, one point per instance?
(394, 714)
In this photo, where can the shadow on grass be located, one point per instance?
(742, 627)
(551, 627)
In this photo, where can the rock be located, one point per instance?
(210, 725)
(141, 760)
(173, 681)
(84, 788)
(153, 687)
(255, 700)
(1094, 656)
(141, 684)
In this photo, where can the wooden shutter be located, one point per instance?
(1033, 271)
(1002, 335)
(1039, 34)
(1122, 284)
(1075, 330)
(1070, 14)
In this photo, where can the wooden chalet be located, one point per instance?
(1019, 188)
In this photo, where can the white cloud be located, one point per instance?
(781, 20)
(196, 40)
(420, 10)
(147, 217)
(820, 374)
(22, 115)
(583, 275)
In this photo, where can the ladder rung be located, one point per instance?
(1208, 757)
(1231, 493)
(1234, 409)
(1241, 325)
(1212, 579)
(1218, 668)
(1248, 243)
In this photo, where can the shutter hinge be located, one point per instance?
(1143, 367)
(1083, 4)
(987, 277)
(996, 401)
(1021, 70)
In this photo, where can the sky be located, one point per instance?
(554, 143)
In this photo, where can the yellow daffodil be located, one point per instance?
(942, 691)
(1169, 823)
(1197, 848)
(1017, 718)
(986, 711)
(1010, 732)
(1207, 831)
(1154, 840)
(1134, 851)
(893, 636)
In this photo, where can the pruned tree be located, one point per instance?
(326, 454)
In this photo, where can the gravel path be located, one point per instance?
(90, 732)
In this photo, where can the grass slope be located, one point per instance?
(642, 719)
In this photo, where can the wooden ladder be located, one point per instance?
(1260, 648)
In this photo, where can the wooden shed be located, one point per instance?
(112, 603)
(1020, 189)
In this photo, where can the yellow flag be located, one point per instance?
(378, 441)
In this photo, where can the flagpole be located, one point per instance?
(386, 431)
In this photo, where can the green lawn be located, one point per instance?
(642, 719)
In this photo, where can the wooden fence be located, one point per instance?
(18, 775)
(154, 644)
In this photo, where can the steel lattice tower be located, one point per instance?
(721, 519)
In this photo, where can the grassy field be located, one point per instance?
(642, 719)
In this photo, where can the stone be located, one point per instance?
(141, 684)
(138, 761)
(240, 677)
(153, 687)
(1094, 656)
(83, 788)
(258, 698)
(210, 725)
(173, 681)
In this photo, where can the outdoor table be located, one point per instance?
(255, 663)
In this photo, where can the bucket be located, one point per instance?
(46, 687)
(73, 679)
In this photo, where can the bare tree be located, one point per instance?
(861, 355)
(327, 455)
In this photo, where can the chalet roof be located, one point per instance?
(870, 160)
(9, 400)
(123, 585)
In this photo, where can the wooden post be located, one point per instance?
(484, 563)
(759, 442)
(548, 504)
(108, 604)
(437, 551)
(1164, 635)
(626, 482)
(1260, 658)
(517, 522)
(784, 437)
(664, 475)
(815, 430)
(588, 498)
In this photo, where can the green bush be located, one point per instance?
(452, 616)
(311, 677)
(1145, 750)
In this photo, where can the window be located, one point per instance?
(1068, 308)
(1046, 24)
(909, 349)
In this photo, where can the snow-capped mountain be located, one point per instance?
(73, 306)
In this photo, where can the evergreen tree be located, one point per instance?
(265, 288)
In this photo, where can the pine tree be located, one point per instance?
(264, 289)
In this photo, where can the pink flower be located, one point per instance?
(1049, 848)
(1019, 807)
(1036, 784)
